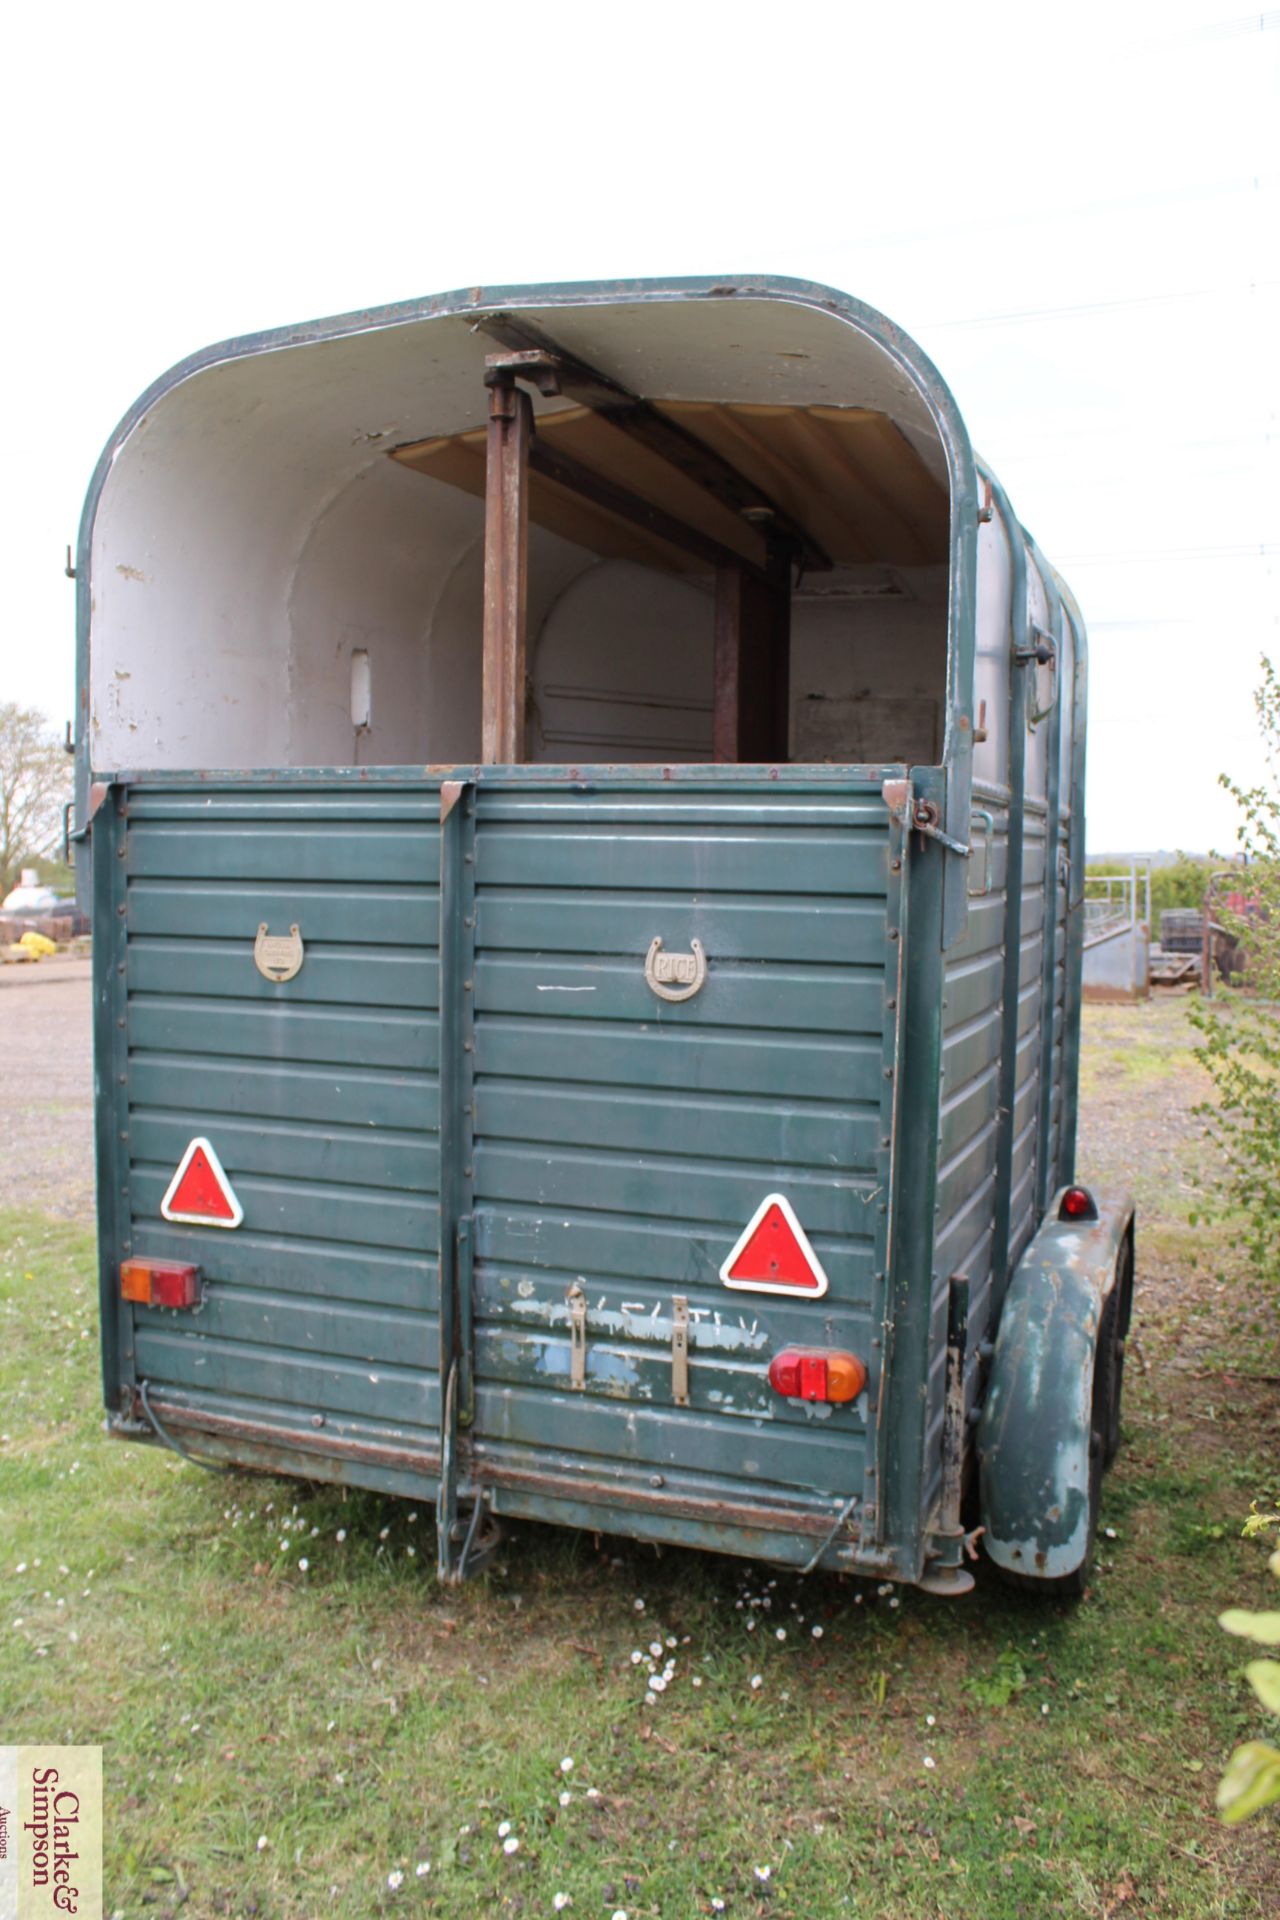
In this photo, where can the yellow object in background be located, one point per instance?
(37, 944)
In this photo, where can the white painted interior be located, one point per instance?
(622, 668)
(252, 538)
(869, 665)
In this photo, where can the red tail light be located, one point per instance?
(159, 1283)
(800, 1374)
(1078, 1204)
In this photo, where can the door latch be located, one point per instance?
(924, 818)
(920, 815)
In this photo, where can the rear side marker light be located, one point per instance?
(1078, 1204)
(798, 1373)
(159, 1283)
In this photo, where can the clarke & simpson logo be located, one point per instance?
(50, 1833)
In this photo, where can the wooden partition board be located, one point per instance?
(847, 474)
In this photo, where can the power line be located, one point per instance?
(1245, 23)
(1018, 315)
(1042, 217)
(1132, 431)
(1263, 550)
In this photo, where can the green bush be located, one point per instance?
(1252, 1778)
(1240, 1030)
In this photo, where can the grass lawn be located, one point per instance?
(294, 1715)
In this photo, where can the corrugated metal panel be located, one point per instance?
(622, 1143)
(320, 1098)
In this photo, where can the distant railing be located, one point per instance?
(1114, 902)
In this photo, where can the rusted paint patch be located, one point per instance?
(589, 1487)
(279, 1447)
(1034, 1440)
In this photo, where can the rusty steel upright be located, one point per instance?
(506, 563)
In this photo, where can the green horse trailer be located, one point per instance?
(581, 789)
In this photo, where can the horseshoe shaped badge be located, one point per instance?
(278, 956)
(675, 976)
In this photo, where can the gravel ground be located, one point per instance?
(1138, 1086)
(46, 1109)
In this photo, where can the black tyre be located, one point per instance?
(1109, 1366)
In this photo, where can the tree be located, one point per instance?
(35, 784)
(1240, 1032)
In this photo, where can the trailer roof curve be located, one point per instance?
(250, 442)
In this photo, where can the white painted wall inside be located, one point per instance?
(252, 535)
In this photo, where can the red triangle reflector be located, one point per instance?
(200, 1194)
(774, 1255)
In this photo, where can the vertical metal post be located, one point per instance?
(506, 560)
(875, 1486)
(1073, 974)
(904, 1326)
(1014, 886)
(750, 720)
(457, 945)
(727, 666)
(108, 847)
(1046, 1168)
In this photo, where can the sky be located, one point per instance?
(1075, 209)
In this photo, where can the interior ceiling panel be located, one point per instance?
(845, 474)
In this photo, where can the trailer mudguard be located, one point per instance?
(1035, 1436)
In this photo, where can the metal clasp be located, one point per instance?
(680, 1351)
(577, 1337)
